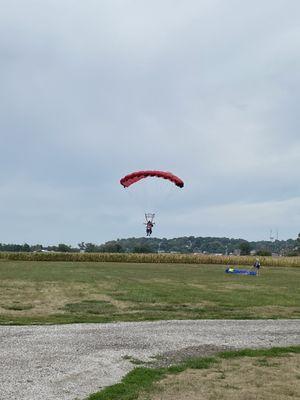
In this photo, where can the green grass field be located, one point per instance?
(33, 292)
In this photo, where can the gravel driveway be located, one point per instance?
(64, 362)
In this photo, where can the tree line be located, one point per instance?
(187, 244)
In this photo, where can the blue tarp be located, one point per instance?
(239, 271)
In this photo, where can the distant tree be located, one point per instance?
(297, 247)
(26, 248)
(91, 248)
(64, 248)
(111, 247)
(82, 246)
(36, 247)
(245, 248)
(263, 252)
(142, 249)
(180, 244)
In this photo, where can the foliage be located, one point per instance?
(183, 245)
(142, 249)
(297, 247)
(245, 248)
(15, 247)
(264, 252)
(64, 248)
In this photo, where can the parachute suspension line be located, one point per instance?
(149, 217)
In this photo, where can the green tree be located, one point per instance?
(64, 248)
(297, 247)
(91, 248)
(263, 252)
(143, 248)
(26, 247)
(111, 247)
(245, 248)
(36, 247)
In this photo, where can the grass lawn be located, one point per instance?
(271, 374)
(64, 292)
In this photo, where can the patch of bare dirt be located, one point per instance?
(176, 357)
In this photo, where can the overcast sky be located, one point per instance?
(92, 90)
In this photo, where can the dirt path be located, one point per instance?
(67, 362)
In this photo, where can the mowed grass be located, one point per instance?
(267, 378)
(269, 374)
(64, 292)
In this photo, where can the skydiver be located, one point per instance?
(149, 227)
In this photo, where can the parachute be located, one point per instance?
(134, 177)
(240, 271)
(138, 175)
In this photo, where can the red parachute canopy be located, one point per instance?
(137, 176)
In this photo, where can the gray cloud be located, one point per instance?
(92, 91)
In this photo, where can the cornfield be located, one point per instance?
(153, 258)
